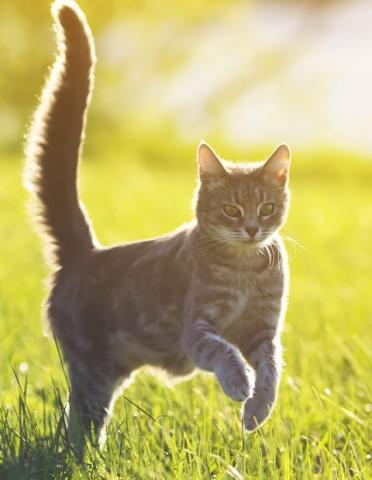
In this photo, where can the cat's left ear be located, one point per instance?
(276, 169)
(209, 163)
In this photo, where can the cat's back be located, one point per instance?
(129, 265)
(119, 287)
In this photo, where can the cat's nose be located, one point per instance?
(251, 231)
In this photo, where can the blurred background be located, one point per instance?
(253, 72)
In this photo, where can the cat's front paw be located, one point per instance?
(236, 381)
(256, 410)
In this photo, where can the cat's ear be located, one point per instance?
(276, 169)
(209, 163)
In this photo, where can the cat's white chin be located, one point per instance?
(244, 247)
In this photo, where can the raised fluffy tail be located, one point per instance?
(56, 136)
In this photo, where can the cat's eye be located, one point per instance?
(266, 209)
(232, 211)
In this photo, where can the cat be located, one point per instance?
(210, 295)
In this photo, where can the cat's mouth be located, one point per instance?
(245, 238)
(241, 239)
(248, 241)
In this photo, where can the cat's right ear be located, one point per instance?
(276, 168)
(209, 163)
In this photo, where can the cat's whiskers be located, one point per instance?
(267, 249)
(291, 239)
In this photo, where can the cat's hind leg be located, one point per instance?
(91, 401)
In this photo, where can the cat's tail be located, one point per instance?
(55, 138)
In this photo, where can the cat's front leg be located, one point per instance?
(266, 359)
(211, 352)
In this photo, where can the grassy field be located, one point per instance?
(321, 427)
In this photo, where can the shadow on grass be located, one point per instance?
(34, 444)
(34, 449)
(37, 462)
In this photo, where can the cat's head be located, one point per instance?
(242, 204)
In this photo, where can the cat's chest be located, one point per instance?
(250, 296)
(245, 287)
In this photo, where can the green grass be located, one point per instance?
(321, 426)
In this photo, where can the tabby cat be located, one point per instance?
(210, 295)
